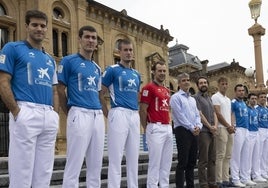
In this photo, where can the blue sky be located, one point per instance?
(216, 30)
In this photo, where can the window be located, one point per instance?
(57, 13)
(61, 31)
(3, 28)
(3, 37)
(64, 41)
(55, 43)
(2, 11)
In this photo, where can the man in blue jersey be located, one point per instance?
(85, 122)
(241, 122)
(123, 84)
(251, 165)
(28, 78)
(263, 134)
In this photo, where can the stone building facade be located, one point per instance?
(181, 61)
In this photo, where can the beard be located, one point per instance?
(203, 89)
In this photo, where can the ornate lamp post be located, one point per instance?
(256, 31)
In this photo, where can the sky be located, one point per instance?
(216, 30)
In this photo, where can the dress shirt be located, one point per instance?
(184, 111)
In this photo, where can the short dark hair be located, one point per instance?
(238, 85)
(201, 77)
(157, 63)
(34, 14)
(261, 93)
(86, 28)
(123, 41)
(251, 94)
(222, 79)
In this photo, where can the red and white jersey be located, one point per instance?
(157, 97)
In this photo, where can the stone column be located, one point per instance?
(256, 31)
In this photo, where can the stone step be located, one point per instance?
(59, 165)
(142, 182)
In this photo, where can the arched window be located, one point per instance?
(57, 13)
(61, 31)
(3, 37)
(2, 11)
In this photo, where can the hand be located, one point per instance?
(231, 129)
(15, 113)
(196, 131)
(213, 130)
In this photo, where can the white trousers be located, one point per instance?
(255, 169)
(238, 146)
(85, 139)
(32, 144)
(263, 132)
(123, 133)
(247, 161)
(160, 146)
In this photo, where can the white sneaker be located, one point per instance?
(239, 184)
(249, 183)
(259, 180)
(265, 176)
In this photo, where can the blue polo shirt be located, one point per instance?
(263, 116)
(124, 86)
(239, 108)
(253, 119)
(82, 78)
(33, 72)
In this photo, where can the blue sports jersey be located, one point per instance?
(253, 119)
(33, 72)
(263, 116)
(82, 79)
(124, 86)
(239, 108)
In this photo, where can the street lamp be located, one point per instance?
(256, 31)
(255, 9)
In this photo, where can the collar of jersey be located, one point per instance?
(30, 46)
(123, 66)
(83, 57)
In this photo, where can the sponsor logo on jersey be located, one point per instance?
(60, 68)
(49, 63)
(97, 71)
(43, 73)
(2, 58)
(145, 93)
(31, 54)
(91, 80)
(82, 64)
(164, 102)
(131, 82)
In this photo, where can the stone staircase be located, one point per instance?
(56, 180)
(60, 160)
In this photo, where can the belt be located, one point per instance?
(159, 123)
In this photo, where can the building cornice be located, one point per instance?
(107, 15)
